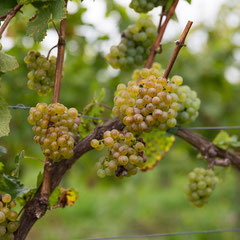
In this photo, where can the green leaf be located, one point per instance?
(1, 167)
(7, 63)
(53, 199)
(18, 159)
(6, 5)
(3, 151)
(100, 96)
(58, 10)
(5, 118)
(12, 185)
(221, 138)
(38, 25)
(189, 1)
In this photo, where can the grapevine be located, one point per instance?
(41, 76)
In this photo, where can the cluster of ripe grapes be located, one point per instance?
(8, 218)
(41, 76)
(150, 101)
(125, 154)
(143, 6)
(55, 128)
(134, 46)
(201, 184)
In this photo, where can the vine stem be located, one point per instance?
(46, 185)
(155, 46)
(179, 44)
(9, 17)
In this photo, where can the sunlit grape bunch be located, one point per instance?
(143, 6)
(55, 128)
(8, 217)
(134, 46)
(189, 104)
(152, 102)
(42, 74)
(201, 184)
(125, 154)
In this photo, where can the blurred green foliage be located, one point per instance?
(153, 201)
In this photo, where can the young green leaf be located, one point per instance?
(12, 185)
(6, 5)
(7, 63)
(5, 118)
(18, 159)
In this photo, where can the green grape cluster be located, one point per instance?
(201, 184)
(134, 46)
(125, 154)
(54, 127)
(143, 6)
(152, 102)
(8, 218)
(42, 74)
(189, 104)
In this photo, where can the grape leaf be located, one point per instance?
(53, 199)
(18, 159)
(6, 5)
(38, 25)
(158, 143)
(1, 167)
(7, 63)
(12, 185)
(3, 151)
(58, 10)
(5, 118)
(32, 1)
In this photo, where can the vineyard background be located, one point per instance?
(148, 202)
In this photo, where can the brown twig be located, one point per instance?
(161, 18)
(49, 52)
(54, 25)
(179, 44)
(9, 17)
(60, 58)
(105, 106)
(160, 35)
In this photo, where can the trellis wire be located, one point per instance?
(166, 234)
(21, 106)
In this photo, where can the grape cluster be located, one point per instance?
(54, 127)
(134, 46)
(151, 103)
(8, 218)
(41, 76)
(189, 105)
(125, 154)
(201, 184)
(143, 6)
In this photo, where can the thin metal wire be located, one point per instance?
(166, 234)
(212, 128)
(21, 106)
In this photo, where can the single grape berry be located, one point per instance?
(201, 184)
(55, 128)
